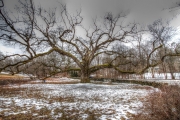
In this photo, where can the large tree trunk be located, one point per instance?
(172, 76)
(85, 76)
(85, 79)
(171, 70)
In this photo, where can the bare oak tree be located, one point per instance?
(40, 32)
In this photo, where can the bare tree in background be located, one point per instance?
(40, 32)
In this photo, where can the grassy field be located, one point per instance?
(67, 99)
(71, 101)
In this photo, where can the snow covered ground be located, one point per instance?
(112, 102)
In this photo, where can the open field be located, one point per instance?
(71, 101)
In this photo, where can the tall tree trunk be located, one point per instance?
(164, 70)
(172, 76)
(171, 70)
(85, 79)
(85, 75)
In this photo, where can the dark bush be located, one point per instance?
(149, 83)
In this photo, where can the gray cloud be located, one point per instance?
(143, 11)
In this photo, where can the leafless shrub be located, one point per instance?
(162, 105)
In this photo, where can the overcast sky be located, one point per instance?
(142, 11)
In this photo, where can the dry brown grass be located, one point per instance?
(7, 77)
(162, 105)
(44, 113)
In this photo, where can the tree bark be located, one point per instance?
(85, 73)
(85, 79)
(172, 76)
